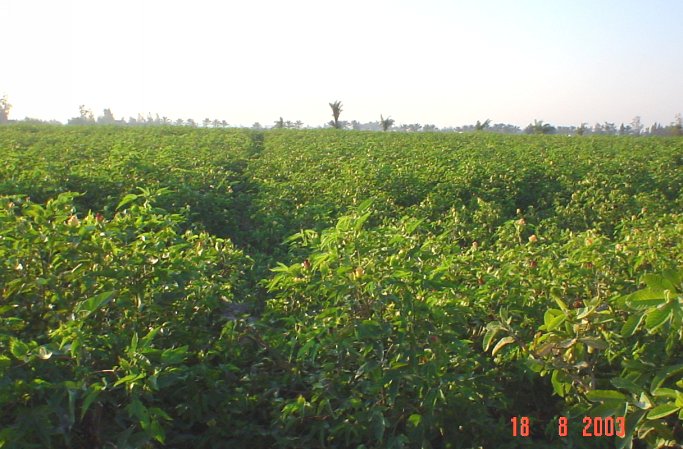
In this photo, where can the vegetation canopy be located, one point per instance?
(204, 288)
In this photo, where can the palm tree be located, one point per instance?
(538, 127)
(386, 122)
(336, 110)
(280, 123)
(482, 126)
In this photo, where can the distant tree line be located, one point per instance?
(634, 128)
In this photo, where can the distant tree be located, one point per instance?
(206, 122)
(636, 125)
(504, 128)
(386, 122)
(86, 114)
(224, 123)
(482, 126)
(609, 128)
(216, 123)
(107, 118)
(336, 111)
(597, 128)
(179, 122)
(429, 128)
(538, 127)
(37, 121)
(622, 130)
(298, 124)
(280, 123)
(165, 120)
(85, 117)
(582, 129)
(191, 122)
(677, 125)
(5, 107)
(257, 126)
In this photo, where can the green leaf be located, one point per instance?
(174, 356)
(605, 395)
(665, 374)
(129, 379)
(491, 330)
(535, 365)
(92, 304)
(665, 393)
(646, 298)
(89, 398)
(415, 419)
(674, 277)
(5, 362)
(368, 329)
(378, 425)
(7, 308)
(412, 225)
(632, 324)
(364, 205)
(626, 384)
(501, 344)
(137, 410)
(557, 297)
(157, 431)
(127, 200)
(558, 381)
(133, 343)
(72, 395)
(595, 343)
(662, 410)
(609, 408)
(553, 318)
(18, 348)
(658, 282)
(360, 221)
(303, 352)
(657, 317)
(147, 339)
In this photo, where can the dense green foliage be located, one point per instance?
(301, 289)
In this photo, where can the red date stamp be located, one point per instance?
(593, 426)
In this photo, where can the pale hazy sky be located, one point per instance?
(444, 62)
